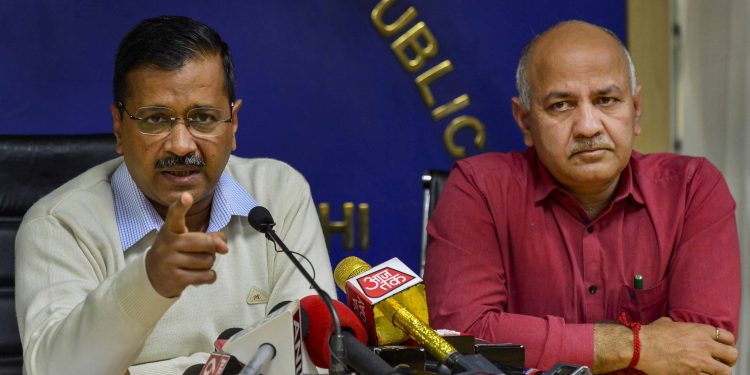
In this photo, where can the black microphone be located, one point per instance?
(219, 362)
(362, 359)
(260, 219)
(193, 370)
(227, 333)
(224, 336)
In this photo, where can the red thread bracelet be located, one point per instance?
(636, 327)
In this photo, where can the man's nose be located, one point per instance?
(179, 140)
(588, 121)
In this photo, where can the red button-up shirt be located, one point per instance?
(512, 257)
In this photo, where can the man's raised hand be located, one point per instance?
(178, 257)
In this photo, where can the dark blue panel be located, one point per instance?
(322, 89)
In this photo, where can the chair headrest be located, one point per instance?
(33, 165)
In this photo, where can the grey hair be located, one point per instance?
(522, 82)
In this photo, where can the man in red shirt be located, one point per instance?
(542, 247)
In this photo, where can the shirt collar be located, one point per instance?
(545, 184)
(136, 216)
(630, 182)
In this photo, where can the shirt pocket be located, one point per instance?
(644, 305)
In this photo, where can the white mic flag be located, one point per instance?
(282, 329)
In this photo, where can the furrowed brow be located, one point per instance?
(556, 95)
(612, 89)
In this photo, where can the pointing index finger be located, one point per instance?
(175, 220)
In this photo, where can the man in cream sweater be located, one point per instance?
(138, 264)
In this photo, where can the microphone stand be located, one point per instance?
(336, 340)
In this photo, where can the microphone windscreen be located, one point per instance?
(229, 332)
(320, 327)
(260, 219)
(223, 337)
(278, 306)
(346, 269)
(193, 370)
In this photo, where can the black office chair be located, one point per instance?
(30, 167)
(432, 183)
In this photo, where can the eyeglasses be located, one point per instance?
(158, 120)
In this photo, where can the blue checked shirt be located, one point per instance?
(136, 217)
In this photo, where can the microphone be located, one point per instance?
(262, 221)
(396, 281)
(282, 331)
(224, 336)
(372, 290)
(358, 356)
(218, 362)
(266, 352)
(193, 370)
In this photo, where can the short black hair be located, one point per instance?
(169, 42)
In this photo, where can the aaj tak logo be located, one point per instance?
(380, 283)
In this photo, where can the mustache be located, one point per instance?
(189, 160)
(590, 144)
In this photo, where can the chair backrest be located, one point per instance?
(432, 183)
(31, 167)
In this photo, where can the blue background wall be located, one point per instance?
(322, 89)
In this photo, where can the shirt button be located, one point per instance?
(592, 289)
(590, 229)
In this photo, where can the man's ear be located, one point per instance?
(117, 126)
(235, 122)
(521, 116)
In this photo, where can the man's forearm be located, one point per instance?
(111, 311)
